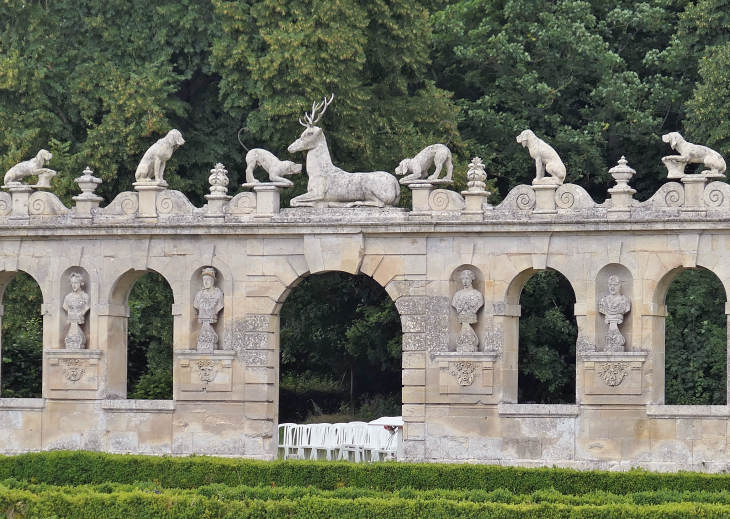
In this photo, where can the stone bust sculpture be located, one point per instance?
(467, 302)
(614, 306)
(208, 302)
(76, 304)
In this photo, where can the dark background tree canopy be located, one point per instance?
(97, 82)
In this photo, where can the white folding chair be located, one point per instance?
(354, 441)
(303, 433)
(287, 439)
(317, 437)
(376, 442)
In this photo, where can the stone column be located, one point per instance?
(413, 311)
(420, 192)
(267, 201)
(694, 194)
(653, 317)
(147, 212)
(20, 195)
(507, 318)
(544, 198)
(261, 371)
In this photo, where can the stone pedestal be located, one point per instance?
(20, 194)
(475, 204)
(148, 200)
(545, 198)
(694, 194)
(205, 376)
(267, 200)
(462, 376)
(609, 376)
(73, 374)
(420, 193)
(216, 203)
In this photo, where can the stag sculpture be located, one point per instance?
(330, 186)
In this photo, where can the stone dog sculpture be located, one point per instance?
(272, 165)
(546, 158)
(435, 154)
(34, 166)
(152, 166)
(692, 154)
(330, 186)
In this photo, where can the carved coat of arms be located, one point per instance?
(74, 369)
(464, 373)
(613, 373)
(206, 370)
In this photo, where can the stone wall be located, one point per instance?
(458, 406)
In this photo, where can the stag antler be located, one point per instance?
(316, 107)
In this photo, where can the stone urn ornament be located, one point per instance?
(208, 302)
(76, 304)
(467, 302)
(614, 306)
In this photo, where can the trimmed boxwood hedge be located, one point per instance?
(78, 468)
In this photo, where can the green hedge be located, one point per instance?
(247, 493)
(144, 504)
(78, 468)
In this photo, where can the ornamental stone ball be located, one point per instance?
(614, 306)
(467, 302)
(208, 302)
(546, 159)
(76, 304)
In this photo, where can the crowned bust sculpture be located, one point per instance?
(208, 302)
(614, 306)
(467, 302)
(76, 304)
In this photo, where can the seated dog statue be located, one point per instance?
(546, 159)
(152, 166)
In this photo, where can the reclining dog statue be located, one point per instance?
(34, 166)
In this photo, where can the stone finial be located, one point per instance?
(622, 174)
(218, 180)
(87, 200)
(476, 194)
(691, 154)
(546, 159)
(476, 176)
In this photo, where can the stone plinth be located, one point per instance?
(147, 211)
(545, 198)
(20, 195)
(206, 376)
(73, 374)
(267, 200)
(463, 375)
(607, 376)
(420, 193)
(694, 194)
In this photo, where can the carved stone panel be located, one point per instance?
(73, 370)
(465, 374)
(205, 373)
(613, 374)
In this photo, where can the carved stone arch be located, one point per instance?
(113, 321)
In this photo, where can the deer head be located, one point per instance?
(313, 133)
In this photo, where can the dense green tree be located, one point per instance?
(149, 342)
(22, 339)
(696, 340)
(548, 333)
(341, 333)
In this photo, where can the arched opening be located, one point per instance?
(22, 337)
(696, 340)
(547, 337)
(150, 339)
(340, 349)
